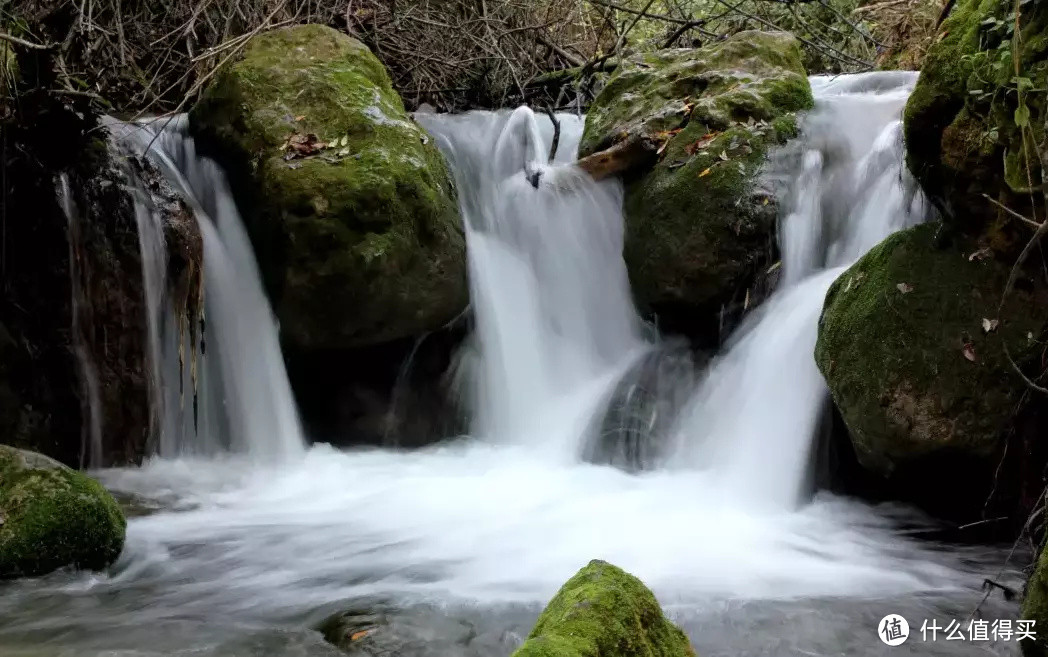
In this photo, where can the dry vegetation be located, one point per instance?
(140, 56)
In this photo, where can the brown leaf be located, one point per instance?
(302, 145)
(300, 117)
(989, 325)
(699, 144)
(969, 351)
(358, 635)
(905, 288)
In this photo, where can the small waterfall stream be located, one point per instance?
(455, 547)
(223, 386)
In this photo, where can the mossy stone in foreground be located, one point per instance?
(54, 517)
(361, 241)
(1035, 608)
(700, 226)
(604, 611)
(912, 347)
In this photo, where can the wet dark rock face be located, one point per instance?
(72, 305)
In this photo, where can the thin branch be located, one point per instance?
(22, 42)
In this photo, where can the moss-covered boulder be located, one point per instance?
(604, 611)
(1035, 607)
(52, 516)
(700, 225)
(349, 203)
(977, 111)
(912, 345)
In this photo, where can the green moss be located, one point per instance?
(699, 226)
(1035, 607)
(604, 611)
(755, 75)
(53, 517)
(960, 120)
(895, 360)
(328, 214)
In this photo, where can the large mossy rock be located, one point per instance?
(964, 125)
(52, 516)
(604, 611)
(361, 240)
(700, 225)
(912, 346)
(1035, 607)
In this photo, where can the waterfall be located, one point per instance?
(753, 418)
(555, 324)
(80, 310)
(222, 385)
(564, 379)
(562, 350)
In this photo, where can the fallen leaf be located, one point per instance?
(989, 325)
(342, 153)
(980, 254)
(705, 172)
(300, 117)
(969, 351)
(358, 635)
(723, 156)
(300, 145)
(425, 140)
(905, 288)
(766, 201)
(343, 141)
(699, 144)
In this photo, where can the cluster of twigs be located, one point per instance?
(139, 56)
(146, 56)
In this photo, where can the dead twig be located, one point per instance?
(22, 42)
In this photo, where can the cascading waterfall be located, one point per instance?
(555, 321)
(753, 419)
(241, 398)
(242, 555)
(556, 327)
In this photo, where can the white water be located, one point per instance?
(753, 420)
(243, 402)
(508, 515)
(91, 397)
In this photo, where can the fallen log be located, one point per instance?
(633, 154)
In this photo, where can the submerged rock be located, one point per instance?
(980, 91)
(348, 202)
(912, 346)
(604, 611)
(52, 516)
(700, 226)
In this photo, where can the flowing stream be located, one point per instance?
(244, 540)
